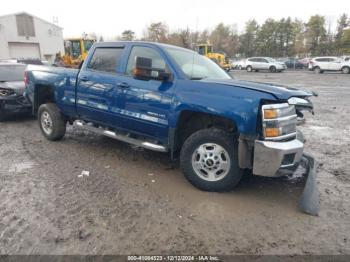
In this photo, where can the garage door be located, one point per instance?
(24, 50)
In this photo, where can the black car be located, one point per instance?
(12, 87)
(291, 63)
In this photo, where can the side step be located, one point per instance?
(121, 137)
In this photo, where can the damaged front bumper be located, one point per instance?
(274, 159)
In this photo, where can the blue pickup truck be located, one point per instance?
(170, 99)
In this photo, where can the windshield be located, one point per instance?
(11, 72)
(271, 59)
(195, 66)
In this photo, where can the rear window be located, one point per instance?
(106, 59)
(11, 72)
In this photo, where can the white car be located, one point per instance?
(264, 63)
(329, 63)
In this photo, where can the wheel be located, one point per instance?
(209, 160)
(51, 122)
(345, 70)
(272, 69)
(239, 67)
(249, 69)
(318, 70)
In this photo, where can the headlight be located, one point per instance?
(6, 92)
(279, 121)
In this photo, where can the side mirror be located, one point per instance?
(144, 70)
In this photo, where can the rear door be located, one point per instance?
(97, 82)
(334, 63)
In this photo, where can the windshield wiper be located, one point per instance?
(198, 78)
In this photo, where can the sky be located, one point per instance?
(110, 18)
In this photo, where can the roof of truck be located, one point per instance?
(116, 43)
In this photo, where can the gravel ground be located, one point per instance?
(132, 202)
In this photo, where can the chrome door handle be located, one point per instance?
(123, 85)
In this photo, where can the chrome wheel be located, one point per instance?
(211, 162)
(46, 123)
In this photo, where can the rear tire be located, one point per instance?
(209, 160)
(345, 70)
(249, 69)
(51, 122)
(272, 69)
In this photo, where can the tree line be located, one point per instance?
(286, 37)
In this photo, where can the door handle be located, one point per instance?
(123, 85)
(84, 78)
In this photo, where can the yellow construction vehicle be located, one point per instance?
(219, 58)
(76, 50)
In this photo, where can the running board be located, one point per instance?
(124, 138)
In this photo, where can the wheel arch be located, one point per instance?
(198, 120)
(43, 94)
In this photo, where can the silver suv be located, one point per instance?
(264, 63)
(329, 63)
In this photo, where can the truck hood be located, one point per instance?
(279, 91)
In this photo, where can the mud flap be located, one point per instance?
(310, 200)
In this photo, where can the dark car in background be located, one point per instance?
(26, 61)
(292, 63)
(12, 87)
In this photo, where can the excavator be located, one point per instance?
(76, 50)
(219, 58)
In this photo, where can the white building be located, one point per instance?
(25, 36)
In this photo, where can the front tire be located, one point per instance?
(209, 160)
(318, 70)
(249, 69)
(51, 122)
(345, 70)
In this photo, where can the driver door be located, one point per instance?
(145, 105)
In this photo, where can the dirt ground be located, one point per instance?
(132, 202)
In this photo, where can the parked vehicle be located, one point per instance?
(305, 61)
(218, 57)
(239, 64)
(291, 63)
(329, 63)
(12, 86)
(264, 63)
(169, 99)
(26, 61)
(346, 58)
(76, 50)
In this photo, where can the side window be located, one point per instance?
(262, 60)
(105, 59)
(147, 52)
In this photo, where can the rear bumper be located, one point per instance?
(274, 159)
